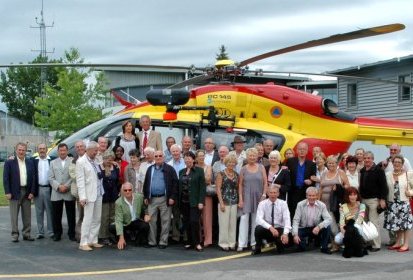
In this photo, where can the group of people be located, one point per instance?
(136, 192)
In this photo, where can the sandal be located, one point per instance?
(394, 247)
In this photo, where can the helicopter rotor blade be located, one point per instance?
(94, 65)
(350, 77)
(191, 81)
(368, 32)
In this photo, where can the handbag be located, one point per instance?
(211, 190)
(368, 231)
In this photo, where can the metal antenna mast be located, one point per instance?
(43, 50)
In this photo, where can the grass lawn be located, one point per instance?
(3, 200)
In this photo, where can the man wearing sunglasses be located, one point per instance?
(160, 190)
(128, 223)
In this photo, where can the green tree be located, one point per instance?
(73, 103)
(19, 87)
(222, 53)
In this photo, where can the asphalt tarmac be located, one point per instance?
(46, 259)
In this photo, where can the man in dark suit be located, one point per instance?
(160, 190)
(301, 169)
(19, 186)
(42, 192)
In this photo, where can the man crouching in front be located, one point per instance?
(311, 220)
(273, 221)
(128, 222)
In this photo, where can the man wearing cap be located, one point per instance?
(239, 145)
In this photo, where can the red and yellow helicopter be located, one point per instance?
(224, 108)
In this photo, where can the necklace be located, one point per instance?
(397, 173)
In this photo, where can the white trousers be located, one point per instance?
(227, 226)
(91, 222)
(243, 230)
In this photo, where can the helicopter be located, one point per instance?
(223, 108)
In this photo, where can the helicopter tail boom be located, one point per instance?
(385, 132)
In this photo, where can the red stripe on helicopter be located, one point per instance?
(384, 123)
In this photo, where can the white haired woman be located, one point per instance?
(398, 215)
(252, 189)
(277, 175)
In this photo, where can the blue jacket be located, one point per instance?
(11, 178)
(171, 183)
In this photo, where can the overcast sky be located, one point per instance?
(168, 32)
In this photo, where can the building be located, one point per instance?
(378, 99)
(13, 130)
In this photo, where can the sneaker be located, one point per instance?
(240, 249)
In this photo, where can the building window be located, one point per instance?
(404, 90)
(351, 95)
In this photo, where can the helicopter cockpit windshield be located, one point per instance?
(109, 127)
(112, 127)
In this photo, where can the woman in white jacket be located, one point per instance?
(398, 215)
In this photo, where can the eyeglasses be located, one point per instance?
(209, 143)
(158, 156)
(127, 190)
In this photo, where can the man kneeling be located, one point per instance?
(128, 210)
(273, 221)
(311, 220)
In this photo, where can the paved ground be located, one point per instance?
(45, 259)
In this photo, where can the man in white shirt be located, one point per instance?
(219, 165)
(42, 200)
(177, 162)
(149, 154)
(387, 164)
(273, 221)
(211, 155)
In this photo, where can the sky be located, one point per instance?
(186, 32)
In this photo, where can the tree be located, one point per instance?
(222, 53)
(73, 104)
(19, 87)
